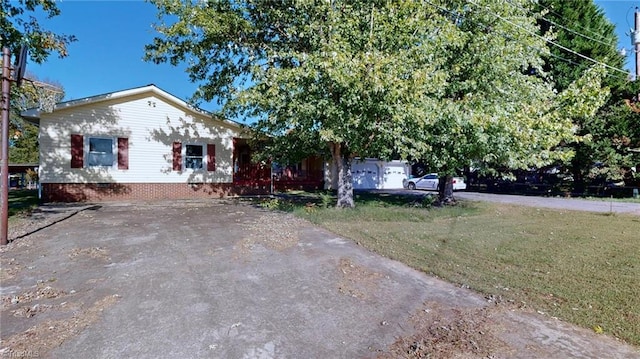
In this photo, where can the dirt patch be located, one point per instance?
(447, 332)
(356, 281)
(93, 252)
(270, 231)
(42, 291)
(28, 311)
(44, 336)
(9, 269)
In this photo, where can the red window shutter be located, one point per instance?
(177, 156)
(77, 151)
(123, 153)
(211, 157)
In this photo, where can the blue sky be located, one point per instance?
(111, 36)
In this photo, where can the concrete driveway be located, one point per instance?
(221, 279)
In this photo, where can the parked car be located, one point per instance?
(430, 182)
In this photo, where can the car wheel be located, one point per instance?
(411, 186)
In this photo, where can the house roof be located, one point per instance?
(33, 115)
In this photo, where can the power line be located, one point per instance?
(561, 17)
(562, 26)
(577, 33)
(554, 43)
(614, 46)
(547, 40)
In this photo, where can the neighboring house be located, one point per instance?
(142, 143)
(22, 175)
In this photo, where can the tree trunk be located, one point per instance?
(445, 190)
(341, 159)
(580, 167)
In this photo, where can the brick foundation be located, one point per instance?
(75, 192)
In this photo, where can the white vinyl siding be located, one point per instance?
(151, 124)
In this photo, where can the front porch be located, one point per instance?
(267, 177)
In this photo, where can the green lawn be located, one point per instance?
(605, 199)
(578, 266)
(22, 201)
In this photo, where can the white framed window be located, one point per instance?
(100, 151)
(194, 156)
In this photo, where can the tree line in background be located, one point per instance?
(20, 28)
(611, 146)
(23, 136)
(452, 84)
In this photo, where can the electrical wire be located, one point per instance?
(562, 26)
(561, 17)
(552, 42)
(614, 46)
(533, 48)
(575, 32)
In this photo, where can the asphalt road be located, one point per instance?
(573, 204)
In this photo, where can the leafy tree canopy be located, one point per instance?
(445, 81)
(23, 145)
(582, 27)
(19, 28)
(614, 148)
(23, 136)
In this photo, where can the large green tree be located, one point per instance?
(613, 151)
(23, 144)
(583, 31)
(23, 136)
(582, 27)
(20, 28)
(444, 81)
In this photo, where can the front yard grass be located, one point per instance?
(22, 201)
(577, 266)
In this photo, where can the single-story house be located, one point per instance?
(145, 143)
(142, 143)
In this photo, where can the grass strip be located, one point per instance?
(22, 201)
(580, 267)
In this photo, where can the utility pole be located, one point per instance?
(636, 42)
(4, 183)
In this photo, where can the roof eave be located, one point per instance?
(34, 115)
